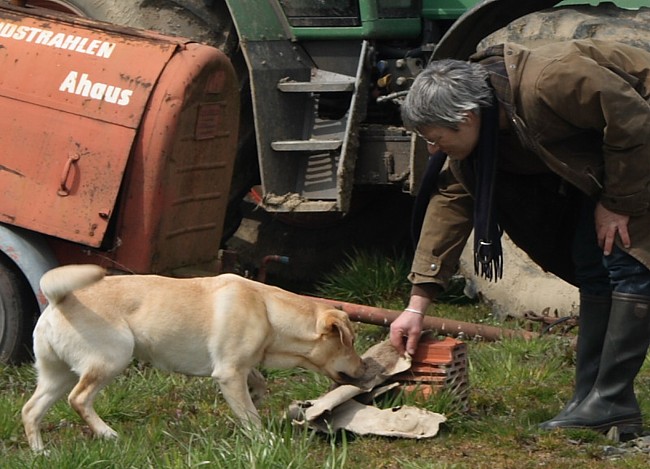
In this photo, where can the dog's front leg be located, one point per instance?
(234, 387)
(256, 386)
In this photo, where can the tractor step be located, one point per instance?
(306, 145)
(321, 81)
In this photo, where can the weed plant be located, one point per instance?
(172, 421)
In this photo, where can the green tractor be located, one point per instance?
(321, 80)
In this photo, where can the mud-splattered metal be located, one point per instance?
(116, 139)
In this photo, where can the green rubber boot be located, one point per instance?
(592, 326)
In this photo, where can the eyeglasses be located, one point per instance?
(433, 143)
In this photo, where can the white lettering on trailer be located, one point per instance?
(80, 44)
(81, 85)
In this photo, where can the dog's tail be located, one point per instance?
(59, 282)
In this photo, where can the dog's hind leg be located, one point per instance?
(55, 379)
(81, 399)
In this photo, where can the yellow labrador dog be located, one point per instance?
(221, 326)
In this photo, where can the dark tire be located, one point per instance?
(605, 22)
(186, 18)
(18, 310)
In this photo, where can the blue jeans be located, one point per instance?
(599, 275)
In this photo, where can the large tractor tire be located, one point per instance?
(193, 19)
(605, 22)
(18, 310)
(187, 18)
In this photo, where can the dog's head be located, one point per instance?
(334, 354)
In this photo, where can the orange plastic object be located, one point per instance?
(437, 365)
(115, 139)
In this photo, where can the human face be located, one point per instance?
(458, 143)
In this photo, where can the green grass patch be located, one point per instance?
(172, 421)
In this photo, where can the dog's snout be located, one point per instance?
(352, 374)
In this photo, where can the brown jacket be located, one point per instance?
(582, 109)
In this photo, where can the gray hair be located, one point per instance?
(444, 92)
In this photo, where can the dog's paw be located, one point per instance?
(108, 434)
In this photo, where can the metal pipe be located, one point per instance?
(449, 327)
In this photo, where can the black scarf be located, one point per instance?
(488, 256)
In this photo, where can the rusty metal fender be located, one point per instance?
(32, 255)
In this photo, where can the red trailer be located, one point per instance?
(116, 148)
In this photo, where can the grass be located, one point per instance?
(172, 421)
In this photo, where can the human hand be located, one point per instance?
(407, 324)
(609, 223)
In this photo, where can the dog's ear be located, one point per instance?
(334, 322)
